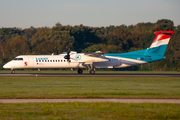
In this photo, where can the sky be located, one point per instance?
(93, 13)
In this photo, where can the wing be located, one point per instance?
(94, 57)
(94, 54)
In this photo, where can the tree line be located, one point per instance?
(80, 38)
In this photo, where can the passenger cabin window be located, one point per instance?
(18, 58)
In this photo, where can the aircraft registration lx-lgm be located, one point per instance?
(94, 60)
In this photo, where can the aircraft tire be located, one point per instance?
(92, 72)
(80, 71)
(12, 71)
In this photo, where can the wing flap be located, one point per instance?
(94, 54)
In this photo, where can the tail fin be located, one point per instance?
(159, 45)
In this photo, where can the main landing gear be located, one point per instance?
(12, 71)
(80, 71)
(90, 67)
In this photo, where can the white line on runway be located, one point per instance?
(90, 75)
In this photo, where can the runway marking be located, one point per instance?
(89, 75)
(90, 100)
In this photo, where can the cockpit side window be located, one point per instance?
(18, 58)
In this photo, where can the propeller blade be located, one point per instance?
(67, 56)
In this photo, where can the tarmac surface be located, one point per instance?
(90, 100)
(90, 75)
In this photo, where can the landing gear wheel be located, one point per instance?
(92, 72)
(80, 71)
(12, 71)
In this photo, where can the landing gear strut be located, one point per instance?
(91, 69)
(80, 71)
(12, 71)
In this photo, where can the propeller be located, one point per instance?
(67, 56)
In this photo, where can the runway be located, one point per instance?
(89, 75)
(90, 100)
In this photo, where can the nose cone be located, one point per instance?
(6, 66)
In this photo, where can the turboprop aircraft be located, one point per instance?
(72, 59)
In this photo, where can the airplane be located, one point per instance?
(91, 61)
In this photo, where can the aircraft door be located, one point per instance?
(30, 62)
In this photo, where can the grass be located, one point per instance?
(89, 111)
(89, 87)
(85, 71)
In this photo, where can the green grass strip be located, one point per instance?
(89, 87)
(89, 111)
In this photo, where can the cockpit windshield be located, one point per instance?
(18, 58)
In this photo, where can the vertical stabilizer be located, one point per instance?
(159, 45)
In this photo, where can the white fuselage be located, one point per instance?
(41, 61)
(57, 61)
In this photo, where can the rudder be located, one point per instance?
(159, 45)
